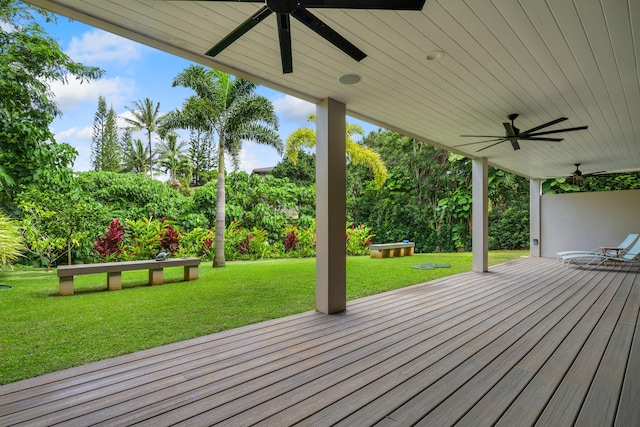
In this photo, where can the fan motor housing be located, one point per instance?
(283, 6)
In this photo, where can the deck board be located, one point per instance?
(530, 341)
(600, 405)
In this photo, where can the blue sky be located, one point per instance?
(133, 72)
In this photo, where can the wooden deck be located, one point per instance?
(530, 342)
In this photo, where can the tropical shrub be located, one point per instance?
(244, 243)
(11, 242)
(204, 203)
(45, 247)
(358, 239)
(299, 242)
(198, 242)
(68, 218)
(134, 196)
(290, 240)
(109, 246)
(509, 227)
(142, 239)
(169, 240)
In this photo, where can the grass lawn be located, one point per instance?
(42, 332)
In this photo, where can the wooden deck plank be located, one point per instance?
(601, 403)
(403, 403)
(357, 346)
(551, 372)
(493, 404)
(472, 349)
(376, 409)
(565, 404)
(628, 413)
(472, 384)
(444, 344)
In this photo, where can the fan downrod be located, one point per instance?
(512, 117)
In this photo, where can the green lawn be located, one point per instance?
(42, 332)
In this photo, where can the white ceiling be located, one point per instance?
(543, 59)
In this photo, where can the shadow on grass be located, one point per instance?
(92, 289)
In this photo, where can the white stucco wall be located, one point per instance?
(587, 220)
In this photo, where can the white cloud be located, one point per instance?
(291, 108)
(254, 156)
(83, 135)
(71, 95)
(80, 139)
(98, 46)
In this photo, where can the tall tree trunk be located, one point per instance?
(150, 157)
(218, 258)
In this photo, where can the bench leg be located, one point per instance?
(66, 286)
(374, 253)
(156, 276)
(114, 281)
(190, 272)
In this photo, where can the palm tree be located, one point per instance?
(173, 160)
(230, 108)
(358, 154)
(146, 116)
(135, 156)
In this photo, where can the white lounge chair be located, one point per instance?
(620, 250)
(632, 255)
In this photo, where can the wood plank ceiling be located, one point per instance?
(543, 59)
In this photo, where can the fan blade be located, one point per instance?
(254, 20)
(514, 144)
(227, 1)
(509, 128)
(535, 138)
(311, 21)
(593, 173)
(559, 130)
(363, 4)
(284, 33)
(501, 138)
(552, 122)
(482, 136)
(489, 146)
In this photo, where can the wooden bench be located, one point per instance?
(391, 250)
(114, 270)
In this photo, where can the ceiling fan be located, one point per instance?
(514, 135)
(577, 176)
(299, 10)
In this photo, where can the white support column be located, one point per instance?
(480, 212)
(535, 198)
(331, 208)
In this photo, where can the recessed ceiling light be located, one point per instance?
(349, 79)
(435, 55)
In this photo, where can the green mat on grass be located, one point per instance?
(430, 266)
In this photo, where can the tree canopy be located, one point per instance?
(357, 153)
(30, 60)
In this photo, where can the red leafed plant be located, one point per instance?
(110, 243)
(244, 247)
(169, 240)
(290, 241)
